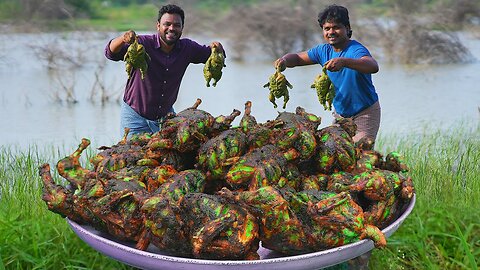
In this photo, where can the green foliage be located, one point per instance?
(9, 9)
(139, 18)
(223, 4)
(81, 7)
(443, 231)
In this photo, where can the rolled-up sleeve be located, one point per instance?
(115, 56)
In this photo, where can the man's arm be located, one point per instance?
(365, 64)
(117, 43)
(292, 60)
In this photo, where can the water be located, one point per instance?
(412, 98)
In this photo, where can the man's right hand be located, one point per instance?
(129, 37)
(280, 64)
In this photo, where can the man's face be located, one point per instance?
(336, 34)
(170, 28)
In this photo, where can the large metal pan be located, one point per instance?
(153, 258)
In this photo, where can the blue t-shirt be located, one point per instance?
(354, 91)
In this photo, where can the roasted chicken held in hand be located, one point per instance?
(214, 65)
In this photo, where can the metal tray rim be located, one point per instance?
(127, 254)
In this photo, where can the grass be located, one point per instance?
(32, 236)
(442, 232)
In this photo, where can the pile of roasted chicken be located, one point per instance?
(203, 188)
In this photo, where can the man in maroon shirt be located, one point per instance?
(147, 101)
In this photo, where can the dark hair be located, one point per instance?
(334, 13)
(172, 9)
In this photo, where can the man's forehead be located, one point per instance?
(332, 22)
(174, 18)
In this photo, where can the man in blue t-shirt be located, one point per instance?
(349, 65)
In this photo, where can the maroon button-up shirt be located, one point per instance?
(154, 96)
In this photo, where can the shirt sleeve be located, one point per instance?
(315, 54)
(200, 52)
(360, 51)
(115, 56)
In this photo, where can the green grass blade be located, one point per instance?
(465, 245)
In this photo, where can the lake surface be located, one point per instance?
(413, 99)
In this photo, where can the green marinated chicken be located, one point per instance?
(264, 166)
(297, 132)
(136, 57)
(189, 129)
(158, 176)
(69, 167)
(336, 150)
(214, 65)
(114, 203)
(218, 229)
(368, 160)
(124, 153)
(386, 191)
(106, 198)
(339, 182)
(63, 201)
(314, 181)
(293, 187)
(300, 222)
(280, 228)
(325, 89)
(394, 161)
(258, 134)
(162, 216)
(339, 220)
(219, 153)
(277, 83)
(248, 121)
